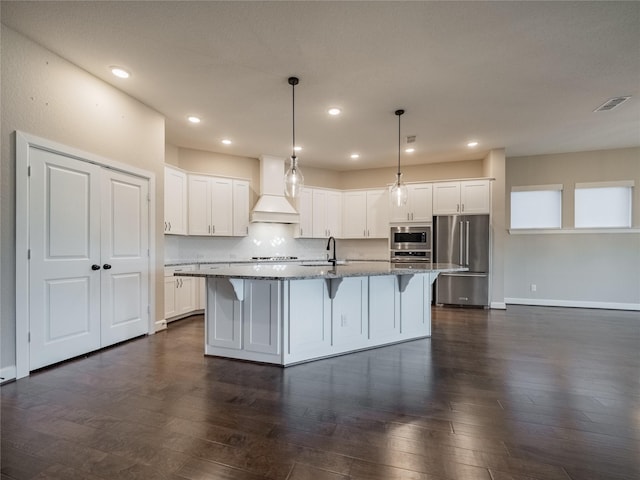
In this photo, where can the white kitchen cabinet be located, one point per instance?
(326, 213)
(240, 208)
(175, 201)
(419, 206)
(465, 197)
(305, 210)
(180, 293)
(210, 206)
(365, 214)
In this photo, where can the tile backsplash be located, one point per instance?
(268, 240)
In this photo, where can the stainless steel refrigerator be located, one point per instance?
(463, 240)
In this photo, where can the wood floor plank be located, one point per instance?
(530, 393)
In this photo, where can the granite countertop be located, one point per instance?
(290, 271)
(201, 261)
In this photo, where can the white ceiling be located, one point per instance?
(525, 76)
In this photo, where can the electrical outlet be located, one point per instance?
(533, 287)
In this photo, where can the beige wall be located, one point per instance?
(381, 177)
(44, 95)
(494, 166)
(575, 269)
(571, 168)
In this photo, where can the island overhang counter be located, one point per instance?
(290, 313)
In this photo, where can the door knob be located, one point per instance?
(95, 267)
(106, 266)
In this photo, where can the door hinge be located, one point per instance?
(148, 252)
(29, 337)
(148, 308)
(148, 197)
(29, 171)
(29, 254)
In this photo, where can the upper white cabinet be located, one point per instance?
(175, 201)
(464, 197)
(419, 206)
(305, 209)
(326, 213)
(210, 205)
(365, 214)
(240, 208)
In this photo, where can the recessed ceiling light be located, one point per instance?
(334, 111)
(472, 144)
(297, 149)
(355, 156)
(410, 150)
(120, 72)
(193, 119)
(226, 141)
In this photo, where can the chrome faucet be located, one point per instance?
(332, 259)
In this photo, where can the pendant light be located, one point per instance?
(399, 192)
(293, 179)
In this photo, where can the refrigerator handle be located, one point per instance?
(467, 244)
(461, 244)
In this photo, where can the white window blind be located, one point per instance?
(536, 206)
(603, 204)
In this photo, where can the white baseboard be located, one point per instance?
(544, 302)
(161, 325)
(498, 306)
(8, 373)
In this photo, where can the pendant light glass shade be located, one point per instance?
(293, 179)
(399, 191)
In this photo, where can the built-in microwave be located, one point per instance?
(411, 237)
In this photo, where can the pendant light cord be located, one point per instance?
(399, 113)
(293, 115)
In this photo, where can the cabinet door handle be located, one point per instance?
(463, 207)
(213, 229)
(165, 226)
(368, 233)
(457, 207)
(408, 218)
(177, 283)
(169, 226)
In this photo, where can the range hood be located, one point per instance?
(273, 206)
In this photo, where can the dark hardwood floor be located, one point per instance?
(527, 393)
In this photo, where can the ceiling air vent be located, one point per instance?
(410, 139)
(612, 103)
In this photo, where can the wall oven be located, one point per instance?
(411, 246)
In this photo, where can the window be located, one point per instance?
(536, 206)
(603, 204)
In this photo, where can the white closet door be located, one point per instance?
(125, 257)
(64, 230)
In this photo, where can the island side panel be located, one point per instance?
(415, 308)
(261, 317)
(350, 315)
(384, 309)
(223, 317)
(307, 321)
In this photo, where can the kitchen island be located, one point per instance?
(290, 313)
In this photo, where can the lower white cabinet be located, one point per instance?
(180, 293)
